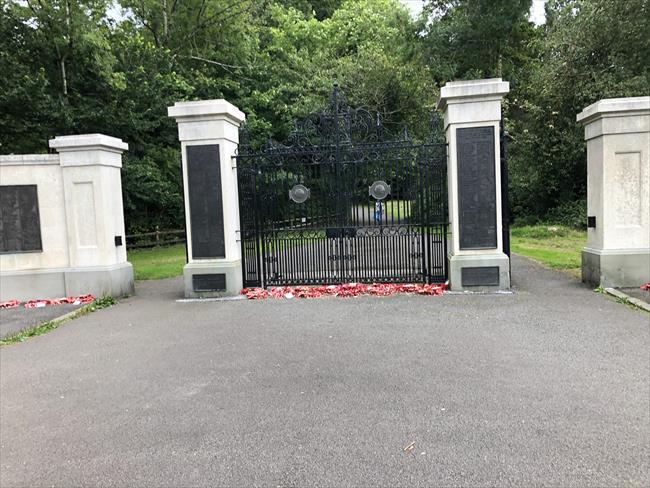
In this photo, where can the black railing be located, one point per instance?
(343, 201)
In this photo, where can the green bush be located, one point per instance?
(570, 214)
(525, 220)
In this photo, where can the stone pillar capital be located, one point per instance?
(471, 101)
(462, 91)
(89, 150)
(206, 119)
(616, 116)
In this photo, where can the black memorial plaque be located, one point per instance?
(209, 282)
(488, 276)
(476, 188)
(206, 208)
(20, 224)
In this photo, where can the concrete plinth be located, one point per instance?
(483, 272)
(615, 268)
(617, 132)
(115, 280)
(219, 279)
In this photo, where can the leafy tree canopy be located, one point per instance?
(70, 66)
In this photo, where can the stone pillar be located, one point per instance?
(94, 215)
(472, 112)
(209, 134)
(617, 132)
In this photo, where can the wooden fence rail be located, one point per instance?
(161, 238)
(157, 238)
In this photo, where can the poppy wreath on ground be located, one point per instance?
(645, 287)
(80, 300)
(344, 290)
(9, 304)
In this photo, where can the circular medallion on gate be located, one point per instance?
(379, 190)
(299, 193)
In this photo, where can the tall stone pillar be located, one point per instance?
(94, 216)
(209, 135)
(617, 132)
(472, 112)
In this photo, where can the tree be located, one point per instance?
(475, 38)
(589, 49)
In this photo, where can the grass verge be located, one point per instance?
(23, 335)
(554, 246)
(158, 262)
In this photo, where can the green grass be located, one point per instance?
(23, 335)
(158, 262)
(398, 208)
(554, 246)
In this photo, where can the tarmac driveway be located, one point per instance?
(547, 386)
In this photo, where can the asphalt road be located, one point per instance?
(549, 386)
(13, 320)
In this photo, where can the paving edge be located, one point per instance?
(56, 320)
(624, 296)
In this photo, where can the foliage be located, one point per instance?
(571, 214)
(71, 67)
(588, 50)
(475, 38)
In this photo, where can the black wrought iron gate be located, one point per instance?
(343, 202)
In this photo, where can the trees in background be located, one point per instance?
(587, 50)
(73, 66)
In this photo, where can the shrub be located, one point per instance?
(570, 214)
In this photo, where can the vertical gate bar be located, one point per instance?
(397, 240)
(243, 214)
(256, 226)
(260, 176)
(429, 254)
(505, 204)
(422, 203)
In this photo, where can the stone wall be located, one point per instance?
(77, 203)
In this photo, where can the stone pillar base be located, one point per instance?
(115, 280)
(615, 268)
(483, 272)
(210, 279)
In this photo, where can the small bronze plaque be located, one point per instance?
(591, 222)
(20, 224)
(488, 276)
(209, 282)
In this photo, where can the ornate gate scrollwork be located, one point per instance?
(335, 228)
